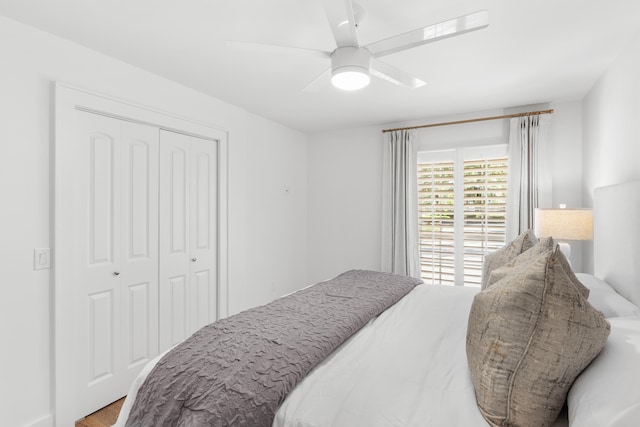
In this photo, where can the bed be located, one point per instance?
(409, 365)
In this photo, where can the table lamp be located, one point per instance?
(564, 224)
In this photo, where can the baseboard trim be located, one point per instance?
(46, 421)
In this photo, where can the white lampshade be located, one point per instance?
(564, 224)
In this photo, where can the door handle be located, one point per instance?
(116, 273)
(194, 259)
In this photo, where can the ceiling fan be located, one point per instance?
(353, 64)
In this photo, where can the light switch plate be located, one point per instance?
(41, 258)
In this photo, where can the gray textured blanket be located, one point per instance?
(237, 371)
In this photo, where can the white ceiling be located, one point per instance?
(532, 51)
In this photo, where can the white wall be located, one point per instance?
(565, 137)
(345, 167)
(274, 215)
(267, 228)
(611, 111)
(345, 205)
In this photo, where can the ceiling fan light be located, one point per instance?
(350, 78)
(350, 67)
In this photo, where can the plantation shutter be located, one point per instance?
(436, 222)
(461, 212)
(485, 203)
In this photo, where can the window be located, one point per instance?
(461, 212)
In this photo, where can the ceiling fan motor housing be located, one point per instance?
(350, 67)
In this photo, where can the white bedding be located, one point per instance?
(606, 394)
(406, 368)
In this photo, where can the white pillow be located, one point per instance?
(605, 299)
(607, 393)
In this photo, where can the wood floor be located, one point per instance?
(105, 417)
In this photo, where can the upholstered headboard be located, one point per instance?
(616, 239)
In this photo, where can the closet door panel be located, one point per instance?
(139, 248)
(204, 231)
(97, 241)
(188, 235)
(174, 238)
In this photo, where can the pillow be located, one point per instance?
(529, 336)
(604, 298)
(545, 245)
(607, 392)
(505, 254)
(566, 265)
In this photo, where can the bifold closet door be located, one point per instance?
(188, 280)
(116, 243)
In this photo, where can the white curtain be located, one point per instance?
(400, 253)
(529, 182)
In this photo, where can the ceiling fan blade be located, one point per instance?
(453, 27)
(276, 49)
(315, 84)
(394, 75)
(342, 21)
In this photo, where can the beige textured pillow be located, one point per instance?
(519, 263)
(500, 257)
(544, 245)
(529, 336)
(584, 291)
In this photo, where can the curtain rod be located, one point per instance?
(481, 119)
